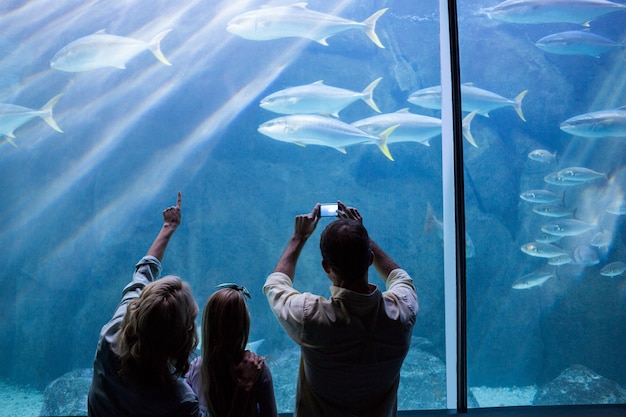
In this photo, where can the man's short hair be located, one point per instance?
(345, 246)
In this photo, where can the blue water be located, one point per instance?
(81, 207)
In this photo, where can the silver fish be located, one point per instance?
(543, 156)
(534, 279)
(567, 227)
(547, 238)
(555, 179)
(542, 250)
(472, 98)
(580, 174)
(553, 210)
(552, 11)
(560, 260)
(432, 223)
(597, 124)
(13, 116)
(102, 50)
(411, 127)
(613, 269)
(577, 42)
(317, 98)
(298, 21)
(313, 129)
(539, 196)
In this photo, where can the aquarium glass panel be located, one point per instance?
(544, 199)
(111, 108)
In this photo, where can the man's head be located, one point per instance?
(345, 247)
(159, 331)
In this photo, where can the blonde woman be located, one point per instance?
(223, 378)
(144, 349)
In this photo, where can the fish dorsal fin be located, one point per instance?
(301, 5)
(404, 110)
(322, 41)
(101, 32)
(318, 82)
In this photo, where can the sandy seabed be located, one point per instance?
(19, 401)
(504, 397)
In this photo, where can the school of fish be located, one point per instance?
(310, 113)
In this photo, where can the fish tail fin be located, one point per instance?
(368, 94)
(370, 27)
(518, 104)
(155, 46)
(467, 134)
(383, 143)
(46, 111)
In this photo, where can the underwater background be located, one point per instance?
(81, 207)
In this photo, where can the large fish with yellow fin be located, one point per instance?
(552, 11)
(101, 50)
(597, 124)
(317, 98)
(298, 21)
(472, 99)
(313, 129)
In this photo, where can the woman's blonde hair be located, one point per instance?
(225, 328)
(159, 332)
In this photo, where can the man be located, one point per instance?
(353, 344)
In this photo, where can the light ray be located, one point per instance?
(158, 173)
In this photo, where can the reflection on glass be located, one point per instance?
(546, 290)
(146, 99)
(544, 178)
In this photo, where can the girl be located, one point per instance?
(226, 384)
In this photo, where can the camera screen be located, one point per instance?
(328, 210)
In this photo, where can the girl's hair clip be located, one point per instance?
(243, 290)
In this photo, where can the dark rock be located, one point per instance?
(423, 382)
(67, 395)
(580, 385)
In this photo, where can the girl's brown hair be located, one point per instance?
(159, 332)
(225, 328)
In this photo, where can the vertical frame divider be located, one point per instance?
(453, 209)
